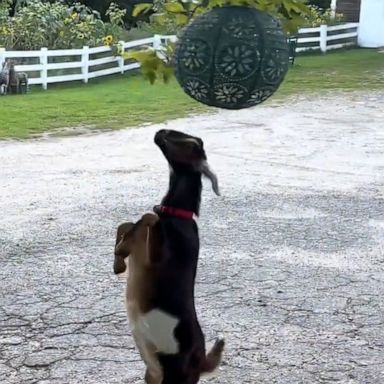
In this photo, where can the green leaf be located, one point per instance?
(181, 19)
(292, 25)
(294, 7)
(141, 55)
(151, 76)
(303, 8)
(174, 7)
(167, 74)
(159, 18)
(141, 8)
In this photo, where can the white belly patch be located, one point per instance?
(157, 327)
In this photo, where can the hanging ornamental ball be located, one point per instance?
(231, 57)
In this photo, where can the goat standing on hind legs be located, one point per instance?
(163, 250)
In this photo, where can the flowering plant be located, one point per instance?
(316, 17)
(57, 26)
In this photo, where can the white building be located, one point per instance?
(371, 28)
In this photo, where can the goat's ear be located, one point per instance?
(122, 247)
(206, 171)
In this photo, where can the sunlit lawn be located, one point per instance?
(128, 100)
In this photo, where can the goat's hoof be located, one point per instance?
(219, 343)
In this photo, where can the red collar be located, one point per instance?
(174, 212)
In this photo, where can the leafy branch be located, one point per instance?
(158, 64)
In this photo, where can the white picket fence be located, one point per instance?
(81, 61)
(85, 65)
(325, 38)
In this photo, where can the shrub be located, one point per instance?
(317, 17)
(55, 25)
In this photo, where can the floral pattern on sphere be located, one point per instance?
(273, 71)
(197, 89)
(196, 56)
(238, 61)
(241, 28)
(230, 93)
(259, 96)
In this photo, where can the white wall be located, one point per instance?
(371, 29)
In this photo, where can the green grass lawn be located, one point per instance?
(128, 100)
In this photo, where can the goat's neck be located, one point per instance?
(184, 191)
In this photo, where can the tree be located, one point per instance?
(100, 6)
(155, 65)
(323, 4)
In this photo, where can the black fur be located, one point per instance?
(180, 245)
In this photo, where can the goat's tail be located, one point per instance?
(214, 357)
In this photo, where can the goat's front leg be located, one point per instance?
(148, 238)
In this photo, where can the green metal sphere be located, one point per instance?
(232, 57)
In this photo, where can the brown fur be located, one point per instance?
(132, 240)
(133, 243)
(142, 242)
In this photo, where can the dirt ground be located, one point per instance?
(292, 259)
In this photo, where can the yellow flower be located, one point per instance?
(74, 15)
(108, 40)
(61, 34)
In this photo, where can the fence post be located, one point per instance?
(2, 56)
(85, 63)
(44, 69)
(121, 58)
(156, 42)
(323, 37)
(333, 9)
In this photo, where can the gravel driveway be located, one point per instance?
(292, 260)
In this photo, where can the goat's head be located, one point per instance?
(8, 65)
(185, 154)
(133, 238)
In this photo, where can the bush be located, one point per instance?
(160, 21)
(317, 17)
(57, 26)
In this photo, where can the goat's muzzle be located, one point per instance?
(160, 136)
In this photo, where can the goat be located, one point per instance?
(18, 81)
(164, 249)
(11, 81)
(4, 77)
(22, 82)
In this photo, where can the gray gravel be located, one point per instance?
(292, 259)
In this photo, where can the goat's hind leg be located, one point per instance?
(214, 357)
(152, 378)
(154, 372)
